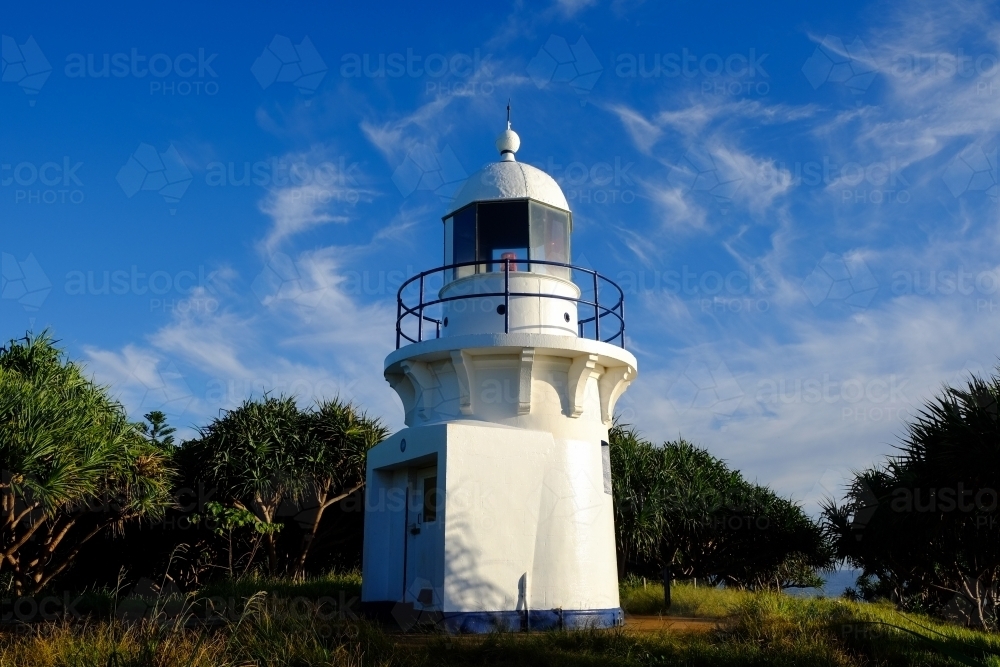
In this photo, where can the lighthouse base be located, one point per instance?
(474, 527)
(407, 617)
(551, 619)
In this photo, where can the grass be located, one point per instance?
(330, 585)
(296, 624)
(686, 599)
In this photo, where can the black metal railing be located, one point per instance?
(435, 279)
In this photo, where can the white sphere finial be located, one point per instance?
(508, 142)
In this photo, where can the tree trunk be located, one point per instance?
(43, 581)
(307, 541)
(272, 555)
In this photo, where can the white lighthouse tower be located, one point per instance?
(493, 507)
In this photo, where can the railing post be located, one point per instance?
(399, 314)
(420, 312)
(622, 311)
(597, 312)
(506, 296)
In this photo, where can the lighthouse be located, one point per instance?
(492, 508)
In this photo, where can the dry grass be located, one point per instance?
(758, 629)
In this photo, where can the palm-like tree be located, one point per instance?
(274, 459)
(677, 507)
(249, 455)
(923, 525)
(332, 458)
(72, 463)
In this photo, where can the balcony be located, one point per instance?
(510, 295)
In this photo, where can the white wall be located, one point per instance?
(516, 502)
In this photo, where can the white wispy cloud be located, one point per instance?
(936, 92)
(321, 188)
(295, 210)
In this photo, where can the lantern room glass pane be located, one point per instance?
(550, 239)
(503, 234)
(464, 241)
(449, 236)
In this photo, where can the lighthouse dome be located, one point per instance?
(509, 179)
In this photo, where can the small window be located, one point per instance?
(430, 499)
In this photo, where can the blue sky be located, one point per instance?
(800, 202)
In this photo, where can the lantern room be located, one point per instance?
(508, 211)
(522, 230)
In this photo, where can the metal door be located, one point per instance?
(424, 539)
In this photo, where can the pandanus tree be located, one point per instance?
(678, 507)
(331, 459)
(71, 464)
(277, 461)
(924, 526)
(247, 454)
